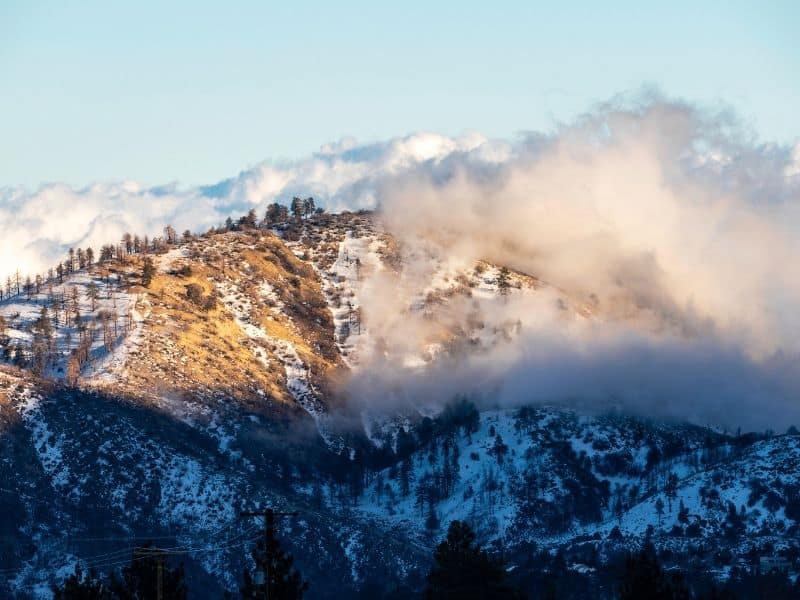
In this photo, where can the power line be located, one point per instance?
(132, 559)
(115, 558)
(143, 555)
(266, 559)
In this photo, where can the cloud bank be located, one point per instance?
(38, 227)
(678, 228)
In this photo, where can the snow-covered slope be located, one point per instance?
(224, 392)
(76, 306)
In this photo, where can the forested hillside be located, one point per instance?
(156, 388)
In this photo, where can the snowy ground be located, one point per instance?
(357, 260)
(111, 366)
(170, 260)
(487, 487)
(20, 313)
(474, 474)
(240, 307)
(48, 446)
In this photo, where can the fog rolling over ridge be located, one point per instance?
(677, 231)
(681, 235)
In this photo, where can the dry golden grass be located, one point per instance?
(188, 352)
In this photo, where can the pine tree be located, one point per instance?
(140, 578)
(683, 513)
(671, 489)
(285, 582)
(422, 492)
(464, 571)
(148, 271)
(275, 214)
(406, 474)
(432, 520)
(92, 293)
(249, 220)
(298, 208)
(308, 206)
(659, 509)
(644, 578)
(42, 341)
(106, 253)
(81, 586)
(504, 281)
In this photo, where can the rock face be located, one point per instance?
(222, 390)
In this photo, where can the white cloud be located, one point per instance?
(38, 227)
(685, 229)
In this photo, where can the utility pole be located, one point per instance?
(268, 515)
(158, 554)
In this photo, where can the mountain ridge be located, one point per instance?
(229, 388)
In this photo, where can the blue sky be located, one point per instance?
(195, 91)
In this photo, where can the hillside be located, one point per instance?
(224, 383)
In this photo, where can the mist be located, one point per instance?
(669, 226)
(665, 236)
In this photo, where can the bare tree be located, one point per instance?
(170, 235)
(92, 293)
(73, 370)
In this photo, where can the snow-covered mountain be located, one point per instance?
(268, 366)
